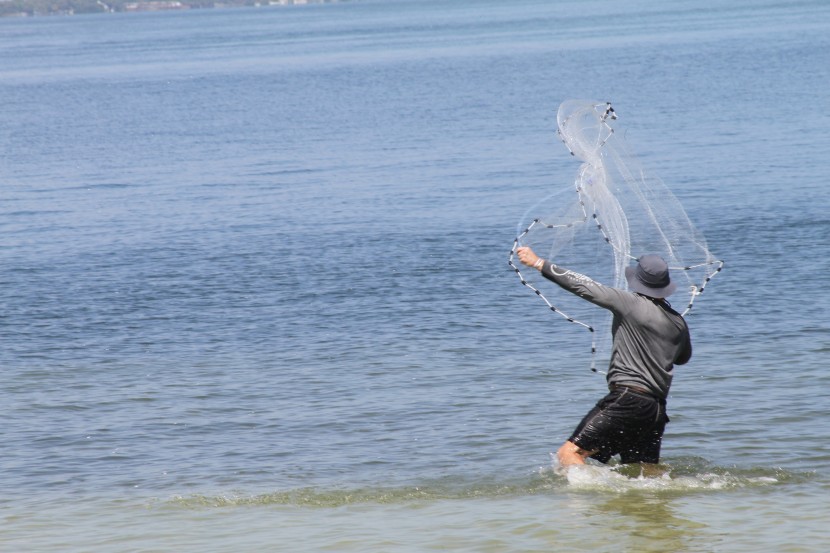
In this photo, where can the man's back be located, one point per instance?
(649, 337)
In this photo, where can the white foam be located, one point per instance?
(613, 478)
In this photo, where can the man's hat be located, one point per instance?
(650, 277)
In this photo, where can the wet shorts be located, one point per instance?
(624, 422)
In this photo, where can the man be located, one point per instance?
(649, 338)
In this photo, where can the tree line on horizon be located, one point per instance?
(29, 8)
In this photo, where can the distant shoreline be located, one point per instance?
(37, 8)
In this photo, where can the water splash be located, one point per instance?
(684, 475)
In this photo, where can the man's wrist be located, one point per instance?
(539, 264)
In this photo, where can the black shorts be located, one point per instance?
(624, 422)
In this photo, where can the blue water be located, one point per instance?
(255, 292)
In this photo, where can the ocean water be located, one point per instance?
(254, 292)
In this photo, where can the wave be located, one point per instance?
(679, 477)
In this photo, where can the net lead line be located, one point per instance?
(516, 242)
(545, 299)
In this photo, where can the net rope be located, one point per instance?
(615, 212)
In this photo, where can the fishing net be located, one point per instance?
(613, 213)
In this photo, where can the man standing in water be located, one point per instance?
(649, 338)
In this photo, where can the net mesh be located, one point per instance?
(613, 213)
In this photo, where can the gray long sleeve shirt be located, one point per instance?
(649, 337)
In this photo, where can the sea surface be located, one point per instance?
(254, 291)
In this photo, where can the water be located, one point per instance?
(255, 294)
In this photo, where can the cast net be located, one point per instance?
(613, 213)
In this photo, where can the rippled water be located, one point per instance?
(255, 293)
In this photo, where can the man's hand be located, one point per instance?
(529, 258)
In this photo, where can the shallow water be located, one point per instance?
(255, 289)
